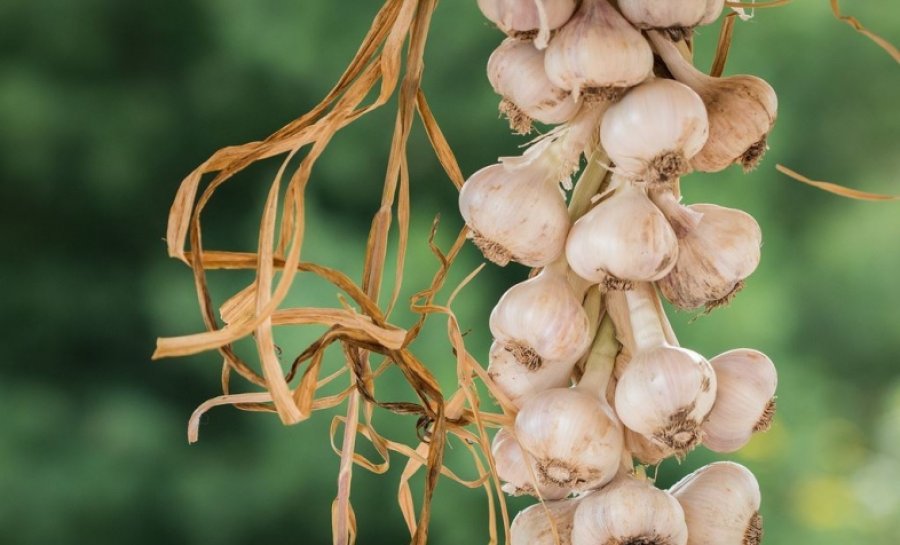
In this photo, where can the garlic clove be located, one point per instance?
(541, 524)
(745, 399)
(516, 72)
(542, 319)
(629, 511)
(677, 18)
(516, 214)
(598, 54)
(655, 130)
(721, 505)
(624, 237)
(518, 471)
(528, 19)
(574, 437)
(517, 381)
(714, 258)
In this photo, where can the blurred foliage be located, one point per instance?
(104, 107)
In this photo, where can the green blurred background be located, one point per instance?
(105, 105)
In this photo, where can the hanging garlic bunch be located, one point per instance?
(665, 392)
(623, 239)
(721, 505)
(516, 72)
(655, 130)
(718, 249)
(598, 54)
(517, 213)
(745, 399)
(629, 511)
(528, 19)
(741, 110)
(676, 18)
(542, 524)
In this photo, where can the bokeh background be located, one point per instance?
(104, 107)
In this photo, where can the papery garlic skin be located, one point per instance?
(518, 471)
(721, 505)
(516, 72)
(534, 525)
(625, 237)
(714, 258)
(598, 53)
(745, 399)
(713, 11)
(678, 17)
(629, 511)
(575, 438)
(542, 319)
(516, 214)
(527, 19)
(741, 111)
(654, 131)
(517, 381)
(646, 451)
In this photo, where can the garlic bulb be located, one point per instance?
(625, 237)
(528, 19)
(629, 511)
(714, 258)
(598, 54)
(741, 109)
(518, 470)
(745, 401)
(665, 392)
(713, 10)
(678, 18)
(516, 214)
(655, 130)
(646, 451)
(542, 319)
(535, 525)
(721, 505)
(516, 72)
(517, 381)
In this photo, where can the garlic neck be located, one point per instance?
(601, 360)
(645, 324)
(684, 71)
(682, 218)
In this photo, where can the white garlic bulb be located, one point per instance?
(721, 505)
(665, 392)
(629, 511)
(745, 399)
(535, 525)
(528, 19)
(655, 130)
(542, 319)
(518, 471)
(516, 214)
(517, 381)
(676, 17)
(574, 437)
(598, 53)
(646, 451)
(516, 72)
(741, 110)
(714, 258)
(624, 237)
(713, 10)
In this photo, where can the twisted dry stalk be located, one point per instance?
(360, 329)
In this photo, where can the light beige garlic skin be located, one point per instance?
(713, 11)
(741, 109)
(654, 131)
(721, 505)
(745, 399)
(517, 381)
(516, 214)
(625, 237)
(528, 19)
(646, 451)
(542, 319)
(575, 438)
(598, 53)
(534, 525)
(714, 258)
(518, 472)
(679, 17)
(516, 72)
(629, 511)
